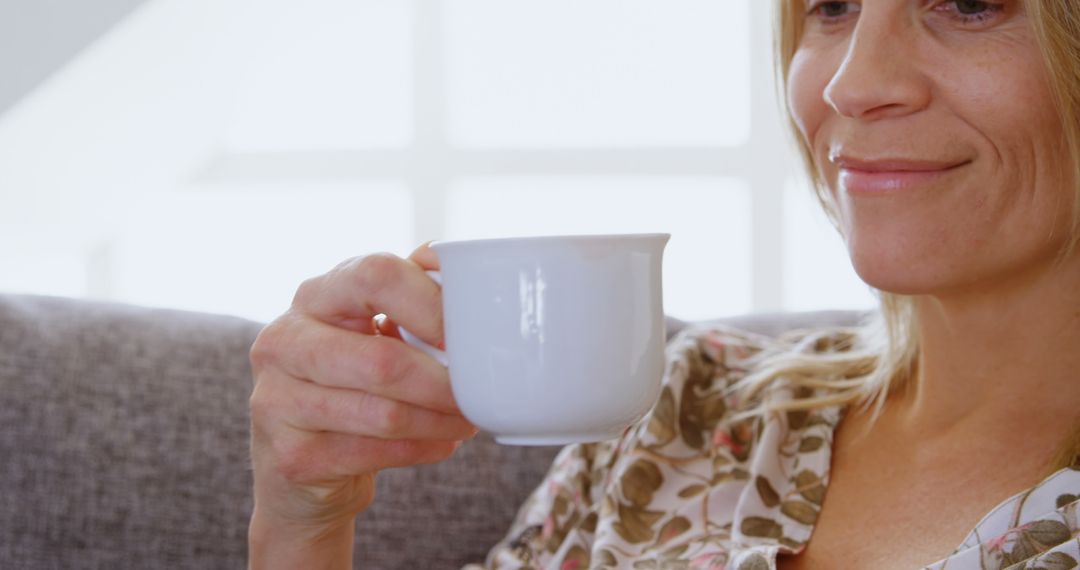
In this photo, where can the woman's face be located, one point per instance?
(934, 127)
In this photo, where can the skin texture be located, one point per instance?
(974, 240)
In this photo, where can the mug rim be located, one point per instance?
(550, 238)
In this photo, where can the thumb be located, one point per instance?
(425, 257)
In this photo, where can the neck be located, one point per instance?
(1000, 358)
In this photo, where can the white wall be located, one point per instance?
(210, 154)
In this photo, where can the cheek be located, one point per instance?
(805, 97)
(800, 96)
(810, 72)
(1005, 100)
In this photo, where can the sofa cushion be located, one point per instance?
(124, 436)
(124, 445)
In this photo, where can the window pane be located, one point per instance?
(540, 73)
(817, 269)
(706, 263)
(42, 272)
(337, 76)
(244, 250)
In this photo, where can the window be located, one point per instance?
(209, 155)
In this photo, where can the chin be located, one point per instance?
(907, 273)
(889, 282)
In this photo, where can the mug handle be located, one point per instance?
(408, 337)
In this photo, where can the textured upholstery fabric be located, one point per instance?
(124, 444)
(123, 436)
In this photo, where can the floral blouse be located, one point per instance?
(692, 487)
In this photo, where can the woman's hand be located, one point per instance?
(338, 397)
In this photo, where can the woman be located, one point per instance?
(944, 140)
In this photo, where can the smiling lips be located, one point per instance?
(890, 175)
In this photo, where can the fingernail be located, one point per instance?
(442, 345)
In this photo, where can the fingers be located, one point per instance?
(385, 326)
(311, 350)
(302, 457)
(352, 293)
(331, 407)
(425, 257)
(307, 432)
(317, 408)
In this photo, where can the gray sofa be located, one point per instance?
(124, 444)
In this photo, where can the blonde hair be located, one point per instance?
(880, 356)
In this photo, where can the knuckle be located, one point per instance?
(391, 419)
(382, 362)
(307, 349)
(438, 451)
(266, 348)
(270, 414)
(376, 272)
(261, 405)
(308, 290)
(318, 405)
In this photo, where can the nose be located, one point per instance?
(879, 76)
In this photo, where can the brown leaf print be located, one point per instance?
(761, 527)
(589, 524)
(790, 543)
(1022, 550)
(700, 409)
(640, 481)
(797, 419)
(713, 409)
(576, 559)
(1047, 533)
(559, 531)
(809, 485)
(1057, 561)
(606, 558)
(800, 511)
(765, 490)
(1066, 499)
(692, 491)
(561, 505)
(691, 419)
(812, 443)
(521, 544)
(662, 423)
(753, 562)
(736, 474)
(700, 363)
(742, 434)
(635, 524)
(674, 552)
(673, 528)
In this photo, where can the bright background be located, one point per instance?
(211, 154)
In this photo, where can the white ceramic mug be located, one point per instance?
(553, 340)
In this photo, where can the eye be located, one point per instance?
(969, 7)
(972, 11)
(832, 11)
